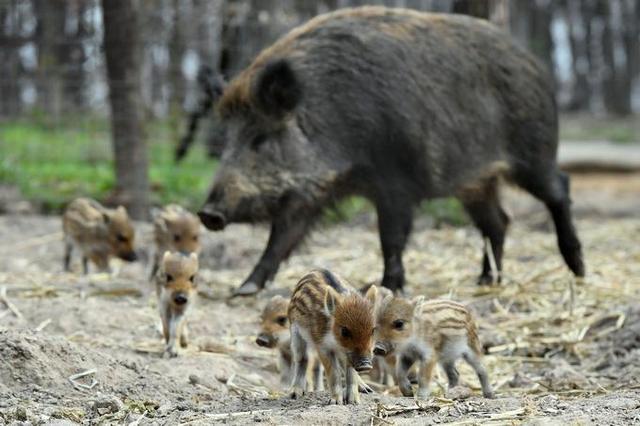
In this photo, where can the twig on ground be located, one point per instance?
(43, 325)
(8, 304)
(74, 379)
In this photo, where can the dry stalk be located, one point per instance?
(74, 379)
(8, 304)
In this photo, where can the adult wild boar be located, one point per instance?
(397, 106)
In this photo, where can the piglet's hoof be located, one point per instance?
(247, 289)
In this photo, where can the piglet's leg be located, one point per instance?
(183, 332)
(403, 365)
(352, 395)
(474, 361)
(318, 379)
(174, 325)
(331, 365)
(300, 362)
(424, 378)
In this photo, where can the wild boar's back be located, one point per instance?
(435, 101)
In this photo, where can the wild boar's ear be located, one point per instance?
(277, 90)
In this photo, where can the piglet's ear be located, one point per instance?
(372, 295)
(277, 90)
(330, 303)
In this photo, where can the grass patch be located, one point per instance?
(589, 128)
(51, 165)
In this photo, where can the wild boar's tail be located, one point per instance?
(211, 87)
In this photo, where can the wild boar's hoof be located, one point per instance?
(247, 289)
(487, 280)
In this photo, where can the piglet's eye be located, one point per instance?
(398, 324)
(192, 278)
(121, 238)
(195, 238)
(345, 332)
(281, 320)
(176, 238)
(169, 277)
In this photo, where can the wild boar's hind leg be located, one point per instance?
(553, 189)
(284, 238)
(395, 217)
(492, 221)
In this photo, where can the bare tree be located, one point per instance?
(121, 44)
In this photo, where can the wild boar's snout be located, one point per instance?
(212, 219)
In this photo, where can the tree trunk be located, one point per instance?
(50, 37)
(121, 45)
(616, 85)
(579, 25)
(176, 55)
(10, 105)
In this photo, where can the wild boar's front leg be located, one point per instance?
(395, 217)
(285, 235)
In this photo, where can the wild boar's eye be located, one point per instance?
(195, 238)
(169, 277)
(121, 238)
(281, 320)
(192, 278)
(258, 141)
(345, 332)
(398, 324)
(176, 238)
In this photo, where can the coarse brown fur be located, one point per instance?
(98, 232)
(396, 106)
(175, 229)
(274, 333)
(338, 322)
(428, 332)
(176, 290)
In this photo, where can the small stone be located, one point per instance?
(458, 392)
(623, 403)
(21, 414)
(193, 379)
(106, 404)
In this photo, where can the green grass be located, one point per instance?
(51, 165)
(587, 128)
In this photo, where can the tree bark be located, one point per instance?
(122, 51)
(50, 37)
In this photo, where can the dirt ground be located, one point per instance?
(558, 351)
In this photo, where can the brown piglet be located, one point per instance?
(98, 232)
(328, 314)
(176, 289)
(428, 332)
(274, 333)
(174, 229)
